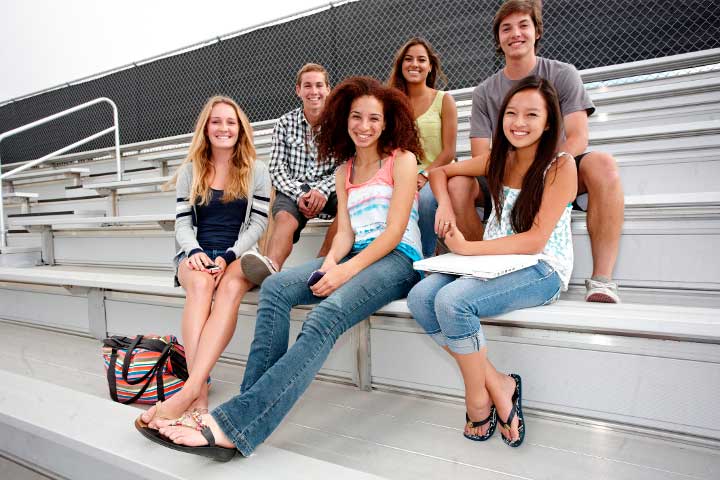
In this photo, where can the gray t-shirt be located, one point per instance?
(489, 95)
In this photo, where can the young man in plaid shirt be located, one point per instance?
(304, 187)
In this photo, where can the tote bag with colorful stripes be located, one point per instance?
(144, 369)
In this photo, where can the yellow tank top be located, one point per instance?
(429, 126)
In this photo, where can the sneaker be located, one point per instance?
(601, 290)
(256, 267)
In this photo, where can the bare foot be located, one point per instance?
(201, 402)
(148, 415)
(478, 411)
(504, 406)
(193, 438)
(169, 409)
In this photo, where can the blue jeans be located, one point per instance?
(427, 206)
(276, 376)
(449, 307)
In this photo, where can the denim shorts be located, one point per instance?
(177, 260)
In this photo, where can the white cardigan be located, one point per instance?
(256, 215)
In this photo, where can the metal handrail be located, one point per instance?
(115, 128)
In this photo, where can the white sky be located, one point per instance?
(44, 43)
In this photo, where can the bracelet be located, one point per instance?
(424, 174)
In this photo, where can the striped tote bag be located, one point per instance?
(144, 369)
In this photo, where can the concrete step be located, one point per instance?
(333, 430)
(80, 436)
(17, 469)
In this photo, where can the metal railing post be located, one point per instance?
(116, 123)
(115, 128)
(3, 233)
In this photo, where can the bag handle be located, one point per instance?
(179, 365)
(128, 358)
(160, 385)
(157, 370)
(113, 386)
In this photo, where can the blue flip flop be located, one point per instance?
(516, 409)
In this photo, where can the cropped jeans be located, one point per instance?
(276, 376)
(449, 307)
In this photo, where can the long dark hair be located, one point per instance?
(334, 141)
(533, 184)
(396, 77)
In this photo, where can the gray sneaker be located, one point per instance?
(256, 267)
(601, 290)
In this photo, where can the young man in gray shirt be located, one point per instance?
(517, 29)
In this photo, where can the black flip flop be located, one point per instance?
(220, 454)
(516, 408)
(492, 418)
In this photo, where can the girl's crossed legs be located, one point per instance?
(449, 308)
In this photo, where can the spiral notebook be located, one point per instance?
(480, 266)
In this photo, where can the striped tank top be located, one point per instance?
(368, 206)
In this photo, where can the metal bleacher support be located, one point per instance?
(110, 189)
(21, 198)
(44, 226)
(73, 173)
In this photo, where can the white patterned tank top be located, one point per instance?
(558, 251)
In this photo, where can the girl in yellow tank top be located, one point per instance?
(415, 72)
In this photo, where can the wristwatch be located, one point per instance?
(305, 188)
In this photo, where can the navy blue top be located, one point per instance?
(218, 223)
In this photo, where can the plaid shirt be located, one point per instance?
(293, 158)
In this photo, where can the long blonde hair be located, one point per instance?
(200, 155)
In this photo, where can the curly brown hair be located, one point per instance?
(334, 141)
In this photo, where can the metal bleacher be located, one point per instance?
(612, 391)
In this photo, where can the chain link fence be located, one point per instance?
(162, 98)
